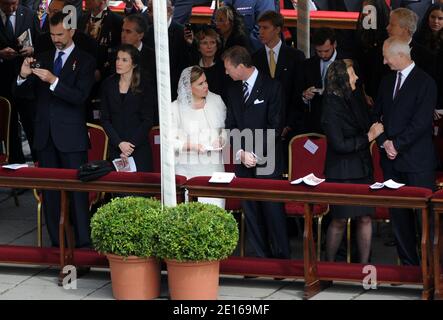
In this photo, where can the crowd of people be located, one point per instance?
(379, 84)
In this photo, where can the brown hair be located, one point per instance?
(275, 18)
(135, 57)
(196, 73)
(207, 32)
(237, 55)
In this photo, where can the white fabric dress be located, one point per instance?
(199, 126)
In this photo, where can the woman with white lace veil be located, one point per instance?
(198, 118)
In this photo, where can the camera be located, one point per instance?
(188, 26)
(36, 64)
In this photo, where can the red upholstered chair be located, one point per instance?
(154, 141)
(98, 151)
(301, 163)
(5, 120)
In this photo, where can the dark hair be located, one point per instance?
(374, 37)
(321, 35)
(135, 57)
(58, 18)
(238, 55)
(425, 36)
(275, 18)
(337, 79)
(141, 26)
(238, 25)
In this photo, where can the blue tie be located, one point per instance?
(58, 64)
(9, 28)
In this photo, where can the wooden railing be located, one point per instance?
(326, 193)
(309, 269)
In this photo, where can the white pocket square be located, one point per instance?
(258, 101)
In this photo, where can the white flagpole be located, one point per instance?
(169, 197)
(303, 26)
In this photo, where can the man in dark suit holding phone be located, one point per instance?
(405, 104)
(254, 103)
(61, 86)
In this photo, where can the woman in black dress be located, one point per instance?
(127, 110)
(347, 124)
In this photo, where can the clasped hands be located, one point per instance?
(43, 74)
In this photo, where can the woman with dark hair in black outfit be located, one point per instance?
(430, 35)
(230, 26)
(347, 124)
(127, 110)
(369, 47)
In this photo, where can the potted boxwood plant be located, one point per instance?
(193, 238)
(125, 229)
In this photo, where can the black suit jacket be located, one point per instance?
(25, 19)
(312, 77)
(346, 123)
(345, 5)
(129, 119)
(289, 71)
(179, 54)
(60, 114)
(262, 110)
(407, 120)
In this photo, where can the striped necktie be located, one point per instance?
(245, 91)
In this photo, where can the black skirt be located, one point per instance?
(344, 212)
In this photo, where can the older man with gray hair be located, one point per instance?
(405, 104)
(403, 25)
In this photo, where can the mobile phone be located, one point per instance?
(188, 26)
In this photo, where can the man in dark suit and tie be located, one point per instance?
(254, 103)
(61, 85)
(403, 24)
(315, 68)
(405, 104)
(284, 64)
(16, 19)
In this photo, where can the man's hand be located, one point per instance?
(124, 159)
(26, 70)
(44, 75)
(390, 149)
(126, 148)
(248, 159)
(309, 93)
(8, 53)
(27, 52)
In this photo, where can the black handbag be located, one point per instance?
(94, 170)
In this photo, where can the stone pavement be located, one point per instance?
(18, 227)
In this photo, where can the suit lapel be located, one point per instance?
(68, 67)
(404, 87)
(19, 20)
(255, 90)
(280, 62)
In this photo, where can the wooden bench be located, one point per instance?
(65, 180)
(326, 193)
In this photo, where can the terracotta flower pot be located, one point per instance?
(193, 280)
(134, 278)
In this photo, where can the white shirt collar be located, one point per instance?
(334, 56)
(406, 71)
(276, 50)
(251, 80)
(67, 52)
(140, 47)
